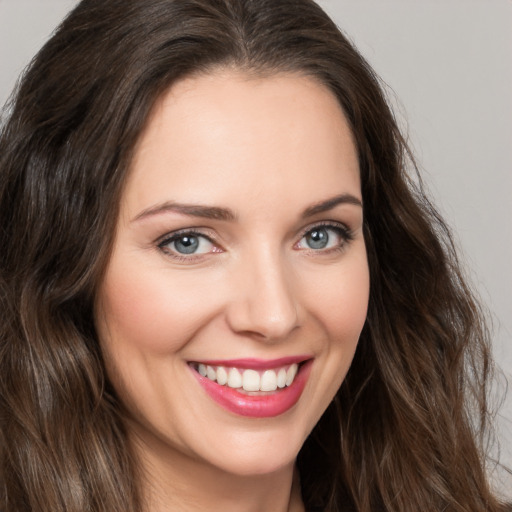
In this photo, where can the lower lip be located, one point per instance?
(257, 406)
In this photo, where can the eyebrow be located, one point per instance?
(329, 204)
(225, 214)
(192, 210)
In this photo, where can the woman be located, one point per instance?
(221, 289)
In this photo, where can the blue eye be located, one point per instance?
(184, 244)
(324, 237)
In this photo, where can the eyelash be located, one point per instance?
(177, 235)
(342, 231)
(345, 233)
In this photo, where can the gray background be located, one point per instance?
(448, 66)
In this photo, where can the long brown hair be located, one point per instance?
(406, 429)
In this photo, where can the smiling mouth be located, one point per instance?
(249, 380)
(254, 388)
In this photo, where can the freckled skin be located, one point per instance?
(267, 149)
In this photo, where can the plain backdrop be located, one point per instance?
(447, 65)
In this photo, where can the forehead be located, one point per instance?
(226, 135)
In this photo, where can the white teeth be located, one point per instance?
(222, 375)
(211, 373)
(290, 374)
(281, 378)
(234, 378)
(268, 381)
(250, 380)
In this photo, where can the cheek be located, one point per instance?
(147, 309)
(340, 308)
(339, 301)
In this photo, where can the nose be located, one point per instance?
(264, 305)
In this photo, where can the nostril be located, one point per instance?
(263, 303)
(263, 321)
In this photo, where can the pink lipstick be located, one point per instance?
(252, 387)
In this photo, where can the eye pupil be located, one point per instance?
(187, 244)
(318, 238)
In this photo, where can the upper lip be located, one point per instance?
(254, 363)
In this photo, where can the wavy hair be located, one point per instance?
(406, 430)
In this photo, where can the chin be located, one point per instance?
(257, 464)
(262, 454)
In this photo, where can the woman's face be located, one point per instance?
(239, 258)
